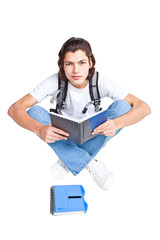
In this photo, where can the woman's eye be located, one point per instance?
(83, 63)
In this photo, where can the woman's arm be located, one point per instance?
(18, 112)
(139, 110)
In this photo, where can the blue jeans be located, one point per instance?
(76, 157)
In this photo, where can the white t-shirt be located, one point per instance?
(76, 98)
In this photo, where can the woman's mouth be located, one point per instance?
(76, 77)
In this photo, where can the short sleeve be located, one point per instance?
(46, 88)
(111, 89)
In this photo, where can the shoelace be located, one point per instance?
(62, 165)
(93, 174)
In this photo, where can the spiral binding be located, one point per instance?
(52, 201)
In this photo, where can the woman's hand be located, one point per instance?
(50, 134)
(107, 128)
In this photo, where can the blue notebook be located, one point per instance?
(67, 199)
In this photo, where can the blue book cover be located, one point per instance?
(67, 199)
(79, 130)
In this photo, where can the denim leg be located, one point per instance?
(116, 109)
(70, 154)
(74, 156)
(39, 114)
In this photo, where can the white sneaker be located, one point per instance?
(100, 174)
(59, 170)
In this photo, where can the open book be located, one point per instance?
(79, 130)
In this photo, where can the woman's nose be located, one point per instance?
(76, 69)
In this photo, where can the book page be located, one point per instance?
(77, 120)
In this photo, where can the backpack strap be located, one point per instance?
(94, 91)
(60, 95)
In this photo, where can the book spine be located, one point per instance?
(52, 201)
(80, 133)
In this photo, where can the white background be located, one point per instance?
(125, 37)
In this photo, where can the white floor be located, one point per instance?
(125, 40)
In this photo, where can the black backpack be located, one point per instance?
(61, 93)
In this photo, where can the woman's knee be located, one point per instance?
(124, 105)
(33, 110)
(118, 108)
(39, 114)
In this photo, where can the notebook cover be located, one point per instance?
(67, 125)
(67, 199)
(90, 124)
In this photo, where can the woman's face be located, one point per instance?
(76, 68)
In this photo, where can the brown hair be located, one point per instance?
(71, 45)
